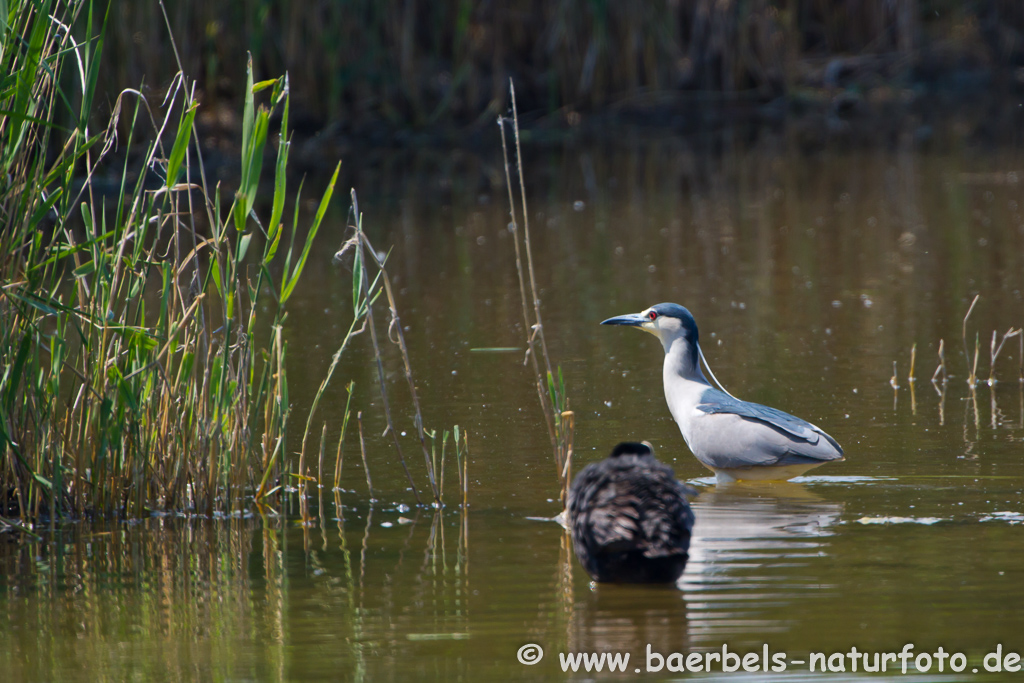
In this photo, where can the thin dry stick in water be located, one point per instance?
(530, 351)
(362, 451)
(341, 439)
(553, 404)
(320, 464)
(941, 367)
(995, 350)
(972, 379)
(465, 471)
(396, 327)
(361, 255)
(913, 358)
(444, 443)
(974, 367)
(538, 329)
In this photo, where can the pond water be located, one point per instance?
(809, 273)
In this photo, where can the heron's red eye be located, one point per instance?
(652, 315)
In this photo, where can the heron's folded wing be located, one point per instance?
(714, 401)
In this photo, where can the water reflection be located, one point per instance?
(627, 618)
(813, 273)
(754, 550)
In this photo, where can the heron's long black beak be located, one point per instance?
(631, 319)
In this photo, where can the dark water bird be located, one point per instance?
(734, 439)
(629, 518)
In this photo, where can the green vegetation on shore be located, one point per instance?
(357, 65)
(142, 341)
(136, 374)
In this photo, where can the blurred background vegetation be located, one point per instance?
(364, 65)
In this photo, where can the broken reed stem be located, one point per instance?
(362, 451)
(941, 367)
(444, 443)
(361, 252)
(972, 378)
(302, 474)
(458, 457)
(320, 464)
(893, 382)
(341, 438)
(994, 352)
(913, 358)
(530, 351)
(338, 456)
(465, 471)
(396, 326)
(569, 417)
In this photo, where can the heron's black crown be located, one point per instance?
(676, 311)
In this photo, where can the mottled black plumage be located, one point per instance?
(629, 518)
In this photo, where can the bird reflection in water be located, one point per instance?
(752, 551)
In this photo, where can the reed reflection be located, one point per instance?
(754, 548)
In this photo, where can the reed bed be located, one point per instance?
(142, 328)
(139, 375)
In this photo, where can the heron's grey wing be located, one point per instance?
(714, 401)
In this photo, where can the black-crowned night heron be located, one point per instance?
(733, 438)
(629, 518)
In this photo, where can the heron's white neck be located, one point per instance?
(682, 360)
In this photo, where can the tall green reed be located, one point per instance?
(138, 374)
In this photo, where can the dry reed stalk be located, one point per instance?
(361, 254)
(941, 367)
(913, 358)
(320, 463)
(527, 326)
(972, 378)
(538, 328)
(553, 402)
(995, 350)
(465, 473)
(341, 437)
(362, 451)
(396, 326)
